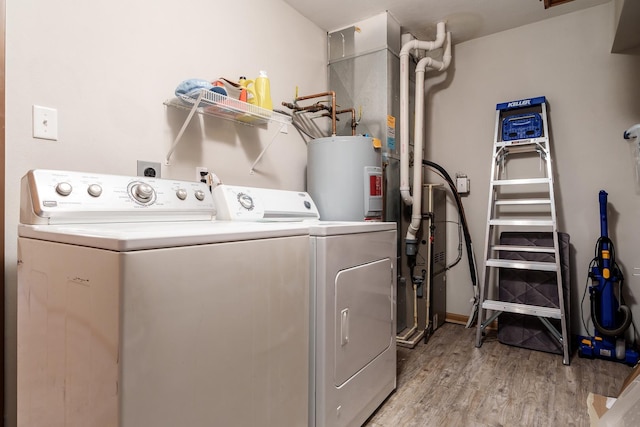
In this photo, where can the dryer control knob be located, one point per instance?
(94, 190)
(199, 195)
(143, 192)
(64, 188)
(181, 193)
(245, 201)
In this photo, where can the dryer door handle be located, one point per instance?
(344, 326)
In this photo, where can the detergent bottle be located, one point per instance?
(263, 91)
(247, 93)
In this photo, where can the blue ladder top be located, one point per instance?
(522, 103)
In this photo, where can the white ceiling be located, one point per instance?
(466, 19)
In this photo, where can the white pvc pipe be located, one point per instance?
(416, 208)
(404, 105)
(418, 134)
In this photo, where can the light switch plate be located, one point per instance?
(45, 123)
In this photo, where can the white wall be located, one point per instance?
(107, 67)
(593, 97)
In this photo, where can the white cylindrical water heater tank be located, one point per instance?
(344, 178)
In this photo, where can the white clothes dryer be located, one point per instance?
(352, 305)
(136, 309)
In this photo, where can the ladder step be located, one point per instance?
(531, 249)
(521, 181)
(527, 142)
(523, 202)
(521, 264)
(523, 222)
(513, 307)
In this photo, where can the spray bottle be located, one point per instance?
(247, 93)
(263, 91)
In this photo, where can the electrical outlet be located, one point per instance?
(201, 174)
(149, 169)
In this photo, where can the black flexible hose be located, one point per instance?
(463, 219)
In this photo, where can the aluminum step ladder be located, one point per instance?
(522, 203)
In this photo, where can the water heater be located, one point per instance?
(344, 178)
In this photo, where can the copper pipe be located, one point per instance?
(353, 118)
(309, 108)
(333, 106)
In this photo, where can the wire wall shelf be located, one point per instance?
(215, 104)
(209, 103)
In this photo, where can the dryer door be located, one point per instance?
(364, 316)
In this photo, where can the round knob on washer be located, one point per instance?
(143, 192)
(199, 195)
(245, 201)
(181, 193)
(64, 188)
(94, 190)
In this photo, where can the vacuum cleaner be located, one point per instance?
(611, 318)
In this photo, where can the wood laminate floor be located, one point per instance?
(450, 382)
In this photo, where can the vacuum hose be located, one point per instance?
(607, 274)
(626, 312)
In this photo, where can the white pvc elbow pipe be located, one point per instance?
(418, 134)
(405, 191)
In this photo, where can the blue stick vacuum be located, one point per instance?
(611, 318)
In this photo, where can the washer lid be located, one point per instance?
(124, 237)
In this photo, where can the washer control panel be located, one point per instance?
(235, 203)
(63, 197)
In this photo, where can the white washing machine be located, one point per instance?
(352, 307)
(135, 309)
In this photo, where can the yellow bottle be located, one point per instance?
(263, 91)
